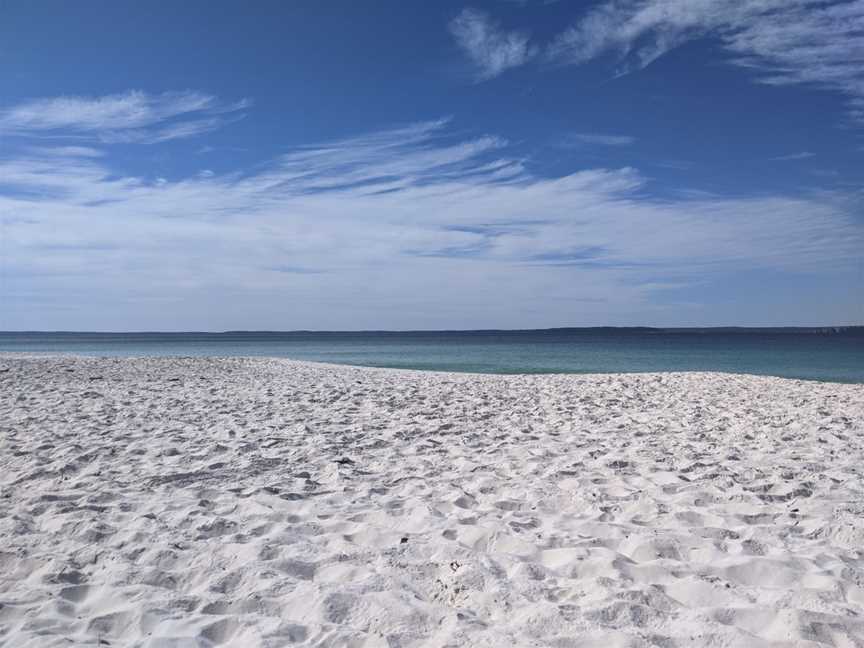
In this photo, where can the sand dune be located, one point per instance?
(178, 503)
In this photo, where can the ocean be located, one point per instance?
(829, 354)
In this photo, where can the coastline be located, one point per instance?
(264, 502)
(57, 355)
(810, 354)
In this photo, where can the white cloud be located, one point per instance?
(788, 41)
(409, 226)
(490, 48)
(66, 151)
(575, 139)
(816, 42)
(165, 133)
(133, 116)
(803, 155)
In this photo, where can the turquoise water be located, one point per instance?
(832, 356)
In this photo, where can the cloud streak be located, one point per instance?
(130, 117)
(803, 155)
(599, 139)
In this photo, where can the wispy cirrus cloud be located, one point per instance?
(431, 228)
(814, 42)
(130, 117)
(789, 41)
(803, 155)
(66, 151)
(490, 48)
(599, 139)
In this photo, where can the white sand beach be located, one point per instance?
(179, 503)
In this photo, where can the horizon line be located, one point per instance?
(813, 328)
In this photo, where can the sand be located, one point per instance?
(265, 502)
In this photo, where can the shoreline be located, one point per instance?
(53, 355)
(269, 502)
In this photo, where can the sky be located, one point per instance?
(430, 165)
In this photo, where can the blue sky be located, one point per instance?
(418, 165)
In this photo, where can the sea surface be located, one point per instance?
(816, 354)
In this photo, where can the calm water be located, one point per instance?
(819, 356)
